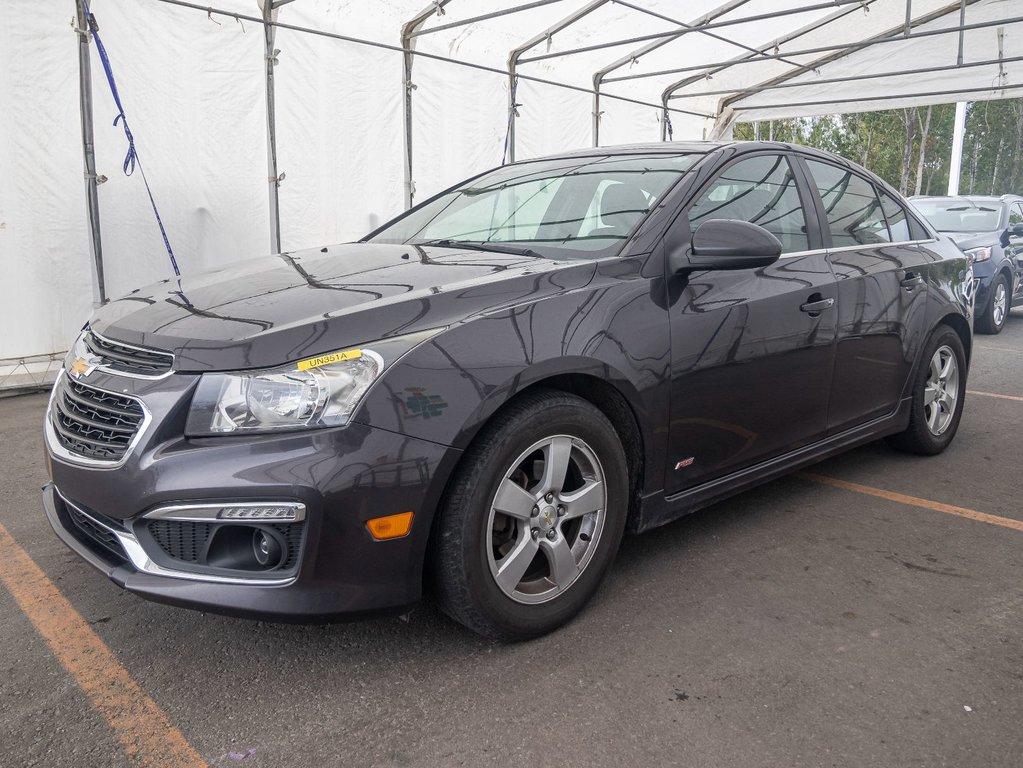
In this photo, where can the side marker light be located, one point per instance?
(390, 527)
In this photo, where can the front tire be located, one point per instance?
(939, 393)
(532, 519)
(993, 319)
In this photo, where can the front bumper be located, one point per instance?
(343, 476)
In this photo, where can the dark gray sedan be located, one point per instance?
(485, 394)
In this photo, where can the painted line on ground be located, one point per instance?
(996, 348)
(994, 394)
(144, 731)
(914, 501)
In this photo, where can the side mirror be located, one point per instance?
(1016, 230)
(733, 244)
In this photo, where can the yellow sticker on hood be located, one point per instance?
(335, 357)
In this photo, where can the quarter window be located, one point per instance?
(896, 215)
(761, 190)
(853, 211)
(1015, 214)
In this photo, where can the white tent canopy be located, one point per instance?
(362, 85)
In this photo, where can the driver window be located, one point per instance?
(761, 190)
(1015, 214)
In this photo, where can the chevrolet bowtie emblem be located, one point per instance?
(80, 368)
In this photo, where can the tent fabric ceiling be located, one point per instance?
(192, 79)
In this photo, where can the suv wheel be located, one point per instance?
(993, 319)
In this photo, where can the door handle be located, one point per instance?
(911, 281)
(816, 306)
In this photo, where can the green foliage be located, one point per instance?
(889, 143)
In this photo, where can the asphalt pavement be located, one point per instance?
(799, 624)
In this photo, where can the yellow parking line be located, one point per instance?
(914, 501)
(995, 348)
(145, 733)
(993, 394)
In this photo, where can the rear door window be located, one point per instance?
(854, 213)
(761, 190)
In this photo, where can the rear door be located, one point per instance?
(882, 293)
(752, 349)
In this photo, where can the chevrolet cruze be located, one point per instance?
(486, 393)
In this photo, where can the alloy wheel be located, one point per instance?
(546, 519)
(999, 304)
(941, 391)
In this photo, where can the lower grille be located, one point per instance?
(95, 532)
(181, 541)
(188, 542)
(93, 423)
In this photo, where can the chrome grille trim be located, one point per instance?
(142, 562)
(54, 431)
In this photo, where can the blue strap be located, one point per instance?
(131, 159)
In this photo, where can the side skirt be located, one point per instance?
(657, 509)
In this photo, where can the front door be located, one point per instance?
(752, 349)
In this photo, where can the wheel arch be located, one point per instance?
(599, 392)
(960, 325)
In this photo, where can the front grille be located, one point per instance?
(187, 541)
(92, 423)
(122, 358)
(94, 531)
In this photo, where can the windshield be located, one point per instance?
(563, 207)
(961, 214)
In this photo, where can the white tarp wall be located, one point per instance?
(193, 89)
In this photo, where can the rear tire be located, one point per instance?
(939, 394)
(993, 319)
(532, 519)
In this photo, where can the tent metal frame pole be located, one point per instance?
(715, 25)
(691, 28)
(484, 17)
(956, 159)
(514, 59)
(208, 10)
(89, 151)
(849, 47)
(273, 177)
(600, 74)
(408, 45)
(917, 95)
(669, 92)
(962, 33)
(854, 78)
(890, 35)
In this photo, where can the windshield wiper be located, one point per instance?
(483, 245)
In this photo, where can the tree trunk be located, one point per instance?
(924, 130)
(866, 151)
(909, 117)
(1017, 156)
(998, 161)
(973, 163)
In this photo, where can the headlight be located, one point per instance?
(319, 392)
(978, 254)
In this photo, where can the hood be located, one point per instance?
(271, 310)
(967, 240)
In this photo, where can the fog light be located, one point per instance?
(390, 527)
(267, 549)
